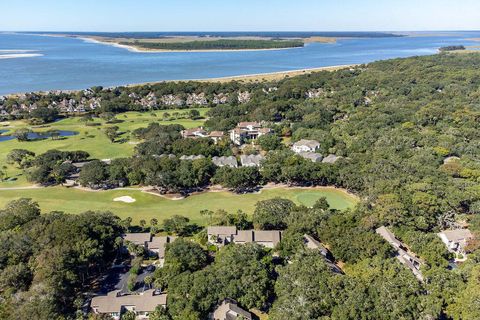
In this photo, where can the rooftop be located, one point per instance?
(222, 230)
(308, 143)
(138, 238)
(457, 235)
(229, 310)
(113, 301)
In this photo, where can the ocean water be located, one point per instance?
(55, 63)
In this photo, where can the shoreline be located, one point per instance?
(252, 76)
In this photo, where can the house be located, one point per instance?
(220, 236)
(247, 131)
(244, 97)
(229, 310)
(251, 160)
(312, 156)
(331, 159)
(194, 133)
(390, 237)
(172, 100)
(158, 246)
(192, 158)
(114, 304)
(196, 99)
(313, 244)
(220, 98)
(154, 245)
(456, 240)
(403, 255)
(305, 146)
(216, 136)
(139, 239)
(266, 238)
(314, 93)
(170, 156)
(225, 161)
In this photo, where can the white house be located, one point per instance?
(456, 240)
(305, 146)
(247, 131)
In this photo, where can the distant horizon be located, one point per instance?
(239, 15)
(241, 31)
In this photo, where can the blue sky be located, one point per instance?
(239, 15)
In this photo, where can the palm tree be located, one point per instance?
(148, 281)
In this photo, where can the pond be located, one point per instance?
(38, 135)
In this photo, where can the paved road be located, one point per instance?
(116, 278)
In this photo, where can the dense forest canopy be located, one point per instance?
(222, 44)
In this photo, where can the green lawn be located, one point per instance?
(149, 206)
(90, 138)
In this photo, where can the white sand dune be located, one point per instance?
(126, 199)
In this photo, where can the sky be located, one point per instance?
(239, 15)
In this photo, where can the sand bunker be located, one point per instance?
(126, 199)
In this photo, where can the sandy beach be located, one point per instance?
(272, 76)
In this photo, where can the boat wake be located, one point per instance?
(15, 54)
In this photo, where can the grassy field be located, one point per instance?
(90, 138)
(149, 206)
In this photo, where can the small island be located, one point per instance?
(220, 44)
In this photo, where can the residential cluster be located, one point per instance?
(117, 302)
(455, 240)
(70, 102)
(308, 149)
(24, 105)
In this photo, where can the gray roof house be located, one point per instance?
(158, 245)
(221, 235)
(154, 245)
(331, 159)
(191, 158)
(305, 146)
(389, 237)
(403, 255)
(224, 235)
(225, 161)
(229, 310)
(313, 244)
(312, 156)
(140, 239)
(114, 304)
(251, 160)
